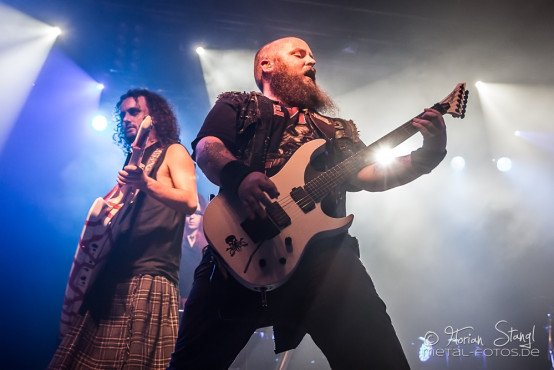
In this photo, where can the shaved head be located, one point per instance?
(284, 71)
(270, 52)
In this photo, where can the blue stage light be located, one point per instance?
(99, 123)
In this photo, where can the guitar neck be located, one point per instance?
(136, 156)
(139, 144)
(454, 104)
(321, 185)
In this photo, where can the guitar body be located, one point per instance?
(92, 250)
(267, 263)
(262, 254)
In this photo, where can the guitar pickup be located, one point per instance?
(278, 215)
(303, 199)
(265, 229)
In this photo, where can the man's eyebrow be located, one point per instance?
(131, 110)
(302, 50)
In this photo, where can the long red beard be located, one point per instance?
(294, 91)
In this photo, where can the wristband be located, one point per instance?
(232, 175)
(424, 160)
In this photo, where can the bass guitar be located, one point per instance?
(96, 236)
(262, 254)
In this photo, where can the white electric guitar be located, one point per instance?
(96, 236)
(263, 253)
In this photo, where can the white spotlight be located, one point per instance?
(458, 163)
(200, 50)
(100, 86)
(384, 156)
(99, 123)
(25, 44)
(479, 84)
(504, 164)
(56, 31)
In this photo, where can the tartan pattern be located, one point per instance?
(139, 332)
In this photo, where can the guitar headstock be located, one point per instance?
(455, 103)
(142, 134)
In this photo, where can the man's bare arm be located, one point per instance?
(175, 185)
(408, 168)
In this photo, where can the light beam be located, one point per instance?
(24, 44)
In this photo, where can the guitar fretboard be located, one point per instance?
(322, 184)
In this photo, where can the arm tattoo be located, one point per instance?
(212, 157)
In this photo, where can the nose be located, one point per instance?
(126, 117)
(310, 61)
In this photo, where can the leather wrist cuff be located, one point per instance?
(424, 160)
(232, 175)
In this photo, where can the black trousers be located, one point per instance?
(330, 296)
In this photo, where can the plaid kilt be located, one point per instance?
(138, 332)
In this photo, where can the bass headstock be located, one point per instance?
(455, 103)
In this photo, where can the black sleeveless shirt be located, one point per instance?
(148, 237)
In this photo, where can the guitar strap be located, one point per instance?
(146, 168)
(325, 126)
(151, 160)
(262, 135)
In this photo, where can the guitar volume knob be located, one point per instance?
(288, 244)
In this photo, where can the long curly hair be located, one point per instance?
(163, 118)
